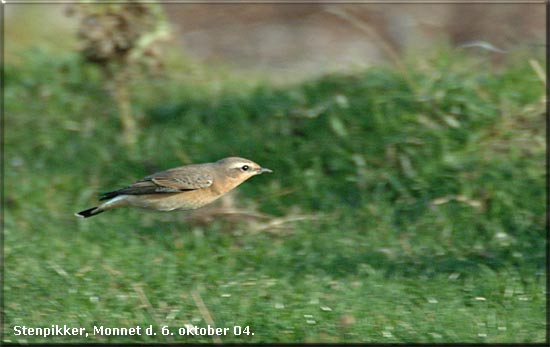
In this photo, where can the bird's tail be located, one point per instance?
(89, 212)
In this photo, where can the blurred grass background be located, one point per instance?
(417, 197)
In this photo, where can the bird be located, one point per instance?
(181, 188)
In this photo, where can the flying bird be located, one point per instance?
(181, 188)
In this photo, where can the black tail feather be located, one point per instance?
(89, 212)
(109, 195)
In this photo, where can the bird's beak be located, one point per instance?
(263, 169)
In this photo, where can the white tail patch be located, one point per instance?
(113, 200)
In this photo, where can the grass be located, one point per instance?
(425, 205)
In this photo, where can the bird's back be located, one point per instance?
(175, 180)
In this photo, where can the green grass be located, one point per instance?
(426, 205)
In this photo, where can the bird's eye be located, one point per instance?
(245, 167)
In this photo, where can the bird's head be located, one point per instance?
(239, 170)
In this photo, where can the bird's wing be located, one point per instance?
(175, 180)
(185, 178)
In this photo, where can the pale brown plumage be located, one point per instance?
(181, 188)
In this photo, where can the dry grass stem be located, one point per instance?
(147, 304)
(539, 71)
(205, 313)
(384, 46)
(277, 223)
